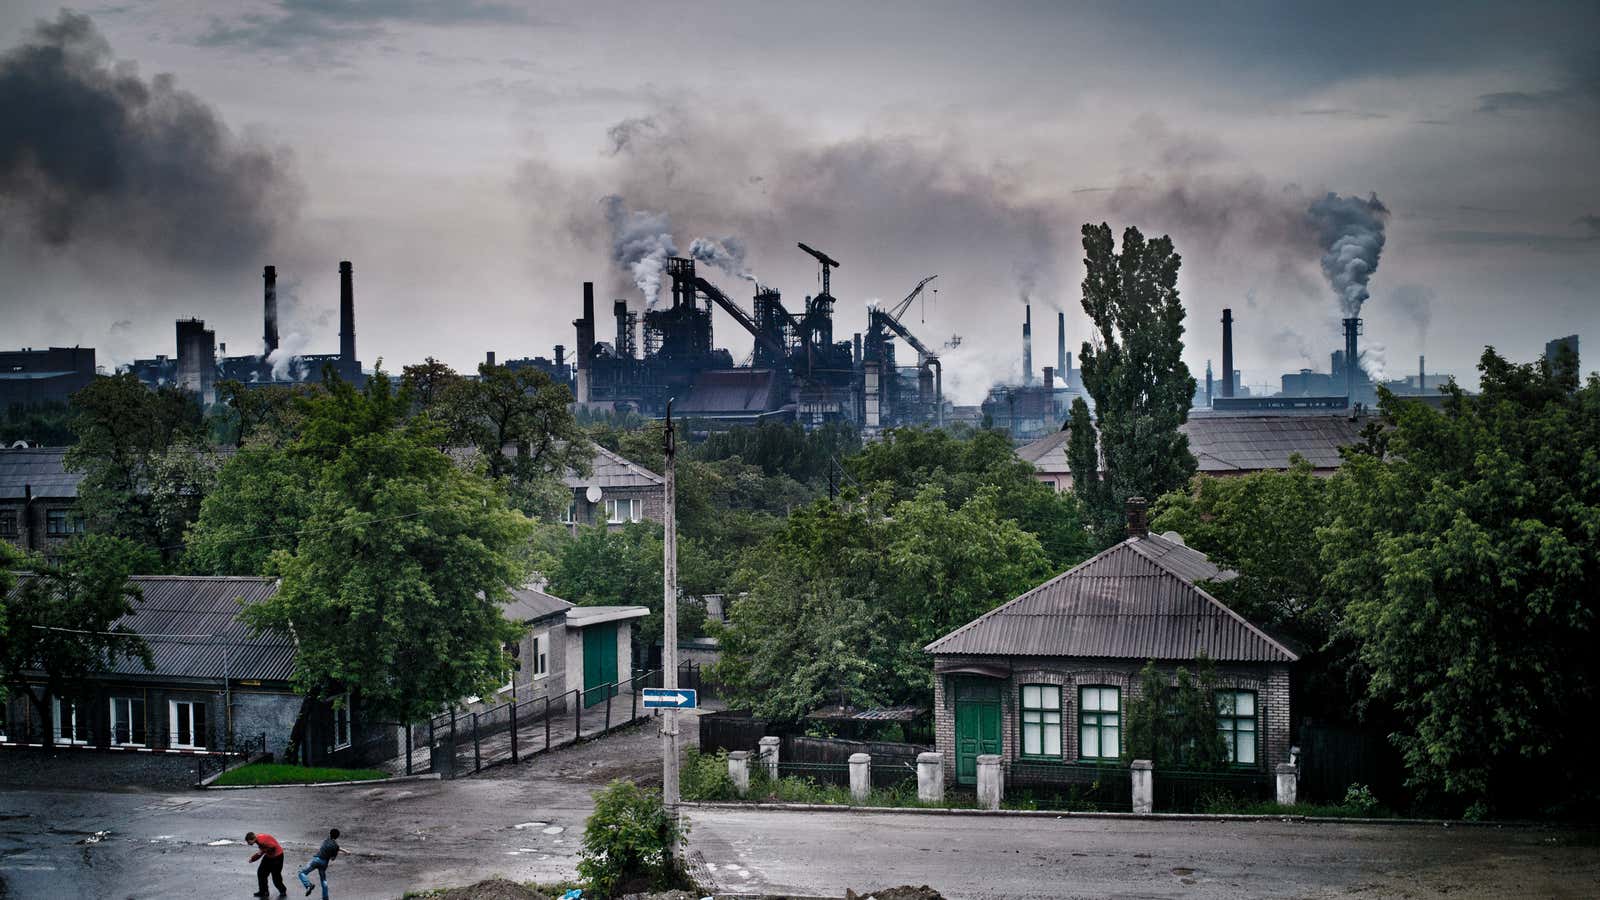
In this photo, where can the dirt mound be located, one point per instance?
(904, 892)
(492, 889)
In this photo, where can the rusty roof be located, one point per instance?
(1137, 600)
(193, 628)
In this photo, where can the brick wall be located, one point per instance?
(653, 502)
(1269, 681)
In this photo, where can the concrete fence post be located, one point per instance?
(1144, 786)
(860, 777)
(930, 778)
(739, 771)
(1288, 784)
(991, 786)
(769, 755)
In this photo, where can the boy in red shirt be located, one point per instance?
(270, 852)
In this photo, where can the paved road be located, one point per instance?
(982, 857)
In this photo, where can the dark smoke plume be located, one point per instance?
(92, 153)
(1351, 231)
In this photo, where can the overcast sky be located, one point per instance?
(154, 155)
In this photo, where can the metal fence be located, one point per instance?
(464, 743)
(1191, 792)
(815, 772)
(1068, 786)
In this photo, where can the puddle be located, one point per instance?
(96, 838)
(1180, 871)
(529, 825)
(554, 829)
(220, 843)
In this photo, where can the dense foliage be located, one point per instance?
(629, 843)
(1135, 372)
(1174, 723)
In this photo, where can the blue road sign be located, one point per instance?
(661, 698)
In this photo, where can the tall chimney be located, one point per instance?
(1227, 353)
(1352, 358)
(1209, 395)
(561, 355)
(585, 346)
(1422, 374)
(1061, 347)
(347, 319)
(489, 359)
(1050, 379)
(269, 337)
(1027, 344)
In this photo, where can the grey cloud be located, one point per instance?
(1542, 242)
(298, 23)
(1535, 101)
(1591, 222)
(1340, 113)
(91, 153)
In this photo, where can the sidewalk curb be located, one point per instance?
(1126, 817)
(429, 776)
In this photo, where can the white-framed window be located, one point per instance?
(127, 722)
(541, 655)
(341, 721)
(1236, 720)
(627, 510)
(186, 723)
(570, 514)
(71, 726)
(1099, 722)
(1041, 720)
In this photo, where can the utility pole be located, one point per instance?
(669, 637)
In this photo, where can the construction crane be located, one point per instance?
(881, 319)
(828, 263)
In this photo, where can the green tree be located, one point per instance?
(1134, 370)
(145, 462)
(394, 588)
(1173, 723)
(64, 620)
(259, 505)
(1465, 555)
(623, 568)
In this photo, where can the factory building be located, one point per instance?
(29, 377)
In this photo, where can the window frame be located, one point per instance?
(1099, 714)
(1228, 725)
(138, 724)
(78, 729)
(1042, 721)
(69, 526)
(570, 515)
(341, 721)
(197, 736)
(8, 524)
(541, 655)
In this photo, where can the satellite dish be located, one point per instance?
(592, 494)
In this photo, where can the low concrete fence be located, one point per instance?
(1139, 780)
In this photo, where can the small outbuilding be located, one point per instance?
(1048, 677)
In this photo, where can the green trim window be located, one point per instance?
(1099, 722)
(1041, 720)
(1236, 720)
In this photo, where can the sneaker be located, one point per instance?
(308, 890)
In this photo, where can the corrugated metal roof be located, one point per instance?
(607, 470)
(193, 628)
(1224, 444)
(39, 468)
(740, 391)
(529, 603)
(1136, 600)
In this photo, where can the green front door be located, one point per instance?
(977, 723)
(599, 662)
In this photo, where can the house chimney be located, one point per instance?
(269, 337)
(1138, 517)
(1227, 353)
(1061, 346)
(347, 319)
(1027, 344)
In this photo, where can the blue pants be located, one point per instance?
(322, 875)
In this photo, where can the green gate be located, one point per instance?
(599, 663)
(977, 724)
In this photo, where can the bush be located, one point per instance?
(705, 777)
(629, 841)
(1360, 799)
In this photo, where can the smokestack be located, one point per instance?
(1061, 346)
(489, 359)
(1422, 374)
(1027, 344)
(1352, 358)
(347, 319)
(561, 355)
(1227, 353)
(1209, 395)
(1050, 378)
(269, 337)
(619, 309)
(585, 347)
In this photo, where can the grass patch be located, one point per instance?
(277, 773)
(1269, 808)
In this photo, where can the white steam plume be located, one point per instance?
(725, 253)
(290, 348)
(641, 242)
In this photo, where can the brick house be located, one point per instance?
(215, 684)
(615, 492)
(37, 494)
(1048, 677)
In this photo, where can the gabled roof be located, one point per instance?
(39, 468)
(610, 470)
(529, 604)
(193, 628)
(1137, 600)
